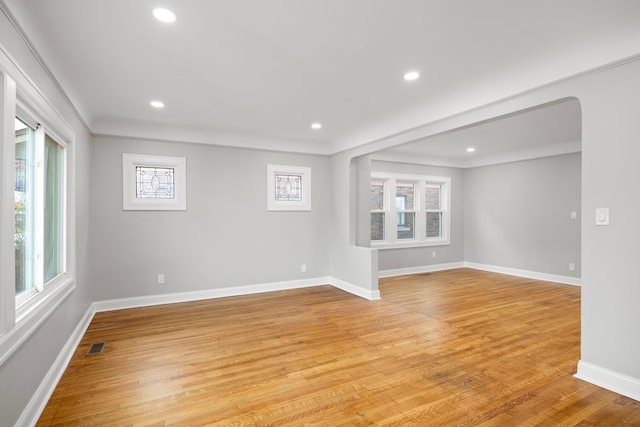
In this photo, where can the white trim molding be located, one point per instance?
(567, 280)
(419, 270)
(611, 380)
(370, 294)
(150, 300)
(23, 329)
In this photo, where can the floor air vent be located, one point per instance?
(96, 348)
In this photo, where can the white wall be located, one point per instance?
(26, 368)
(517, 215)
(225, 238)
(610, 177)
(355, 267)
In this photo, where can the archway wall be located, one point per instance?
(610, 175)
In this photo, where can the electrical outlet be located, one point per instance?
(160, 279)
(433, 254)
(572, 266)
(303, 268)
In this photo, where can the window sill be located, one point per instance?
(32, 314)
(410, 244)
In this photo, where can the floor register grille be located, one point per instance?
(96, 348)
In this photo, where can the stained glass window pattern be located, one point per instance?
(288, 188)
(154, 183)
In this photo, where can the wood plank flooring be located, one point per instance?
(454, 348)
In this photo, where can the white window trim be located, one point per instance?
(129, 199)
(391, 240)
(278, 205)
(18, 322)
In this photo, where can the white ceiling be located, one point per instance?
(549, 130)
(257, 73)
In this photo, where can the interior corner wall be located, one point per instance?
(362, 200)
(422, 257)
(353, 266)
(226, 238)
(518, 215)
(25, 370)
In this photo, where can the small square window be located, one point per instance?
(153, 182)
(288, 188)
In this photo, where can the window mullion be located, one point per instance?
(39, 210)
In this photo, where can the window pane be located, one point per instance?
(406, 225)
(377, 195)
(288, 188)
(404, 196)
(53, 208)
(154, 183)
(432, 196)
(434, 224)
(377, 225)
(24, 199)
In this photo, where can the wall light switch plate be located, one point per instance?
(602, 216)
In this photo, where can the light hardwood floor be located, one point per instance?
(460, 347)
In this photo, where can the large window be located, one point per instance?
(37, 232)
(409, 210)
(39, 201)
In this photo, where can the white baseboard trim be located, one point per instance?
(369, 294)
(419, 270)
(492, 268)
(34, 408)
(611, 380)
(145, 301)
(567, 280)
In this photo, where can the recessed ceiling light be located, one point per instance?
(470, 150)
(411, 75)
(316, 125)
(164, 15)
(157, 104)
